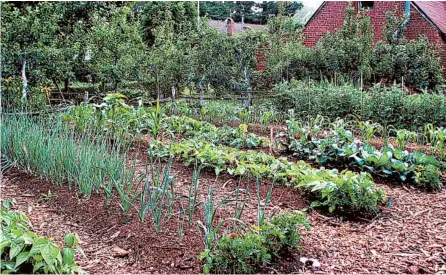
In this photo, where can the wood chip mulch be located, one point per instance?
(409, 237)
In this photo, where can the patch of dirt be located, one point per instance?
(105, 231)
(408, 237)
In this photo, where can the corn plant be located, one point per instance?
(267, 117)
(245, 116)
(368, 130)
(156, 115)
(403, 137)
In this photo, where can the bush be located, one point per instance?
(248, 252)
(12, 95)
(281, 233)
(22, 251)
(416, 61)
(385, 105)
(237, 255)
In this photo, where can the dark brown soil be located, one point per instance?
(409, 237)
(102, 227)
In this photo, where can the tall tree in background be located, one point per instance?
(154, 14)
(116, 48)
(211, 59)
(246, 45)
(28, 34)
(250, 11)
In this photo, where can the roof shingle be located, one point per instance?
(435, 11)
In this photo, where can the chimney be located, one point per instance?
(230, 26)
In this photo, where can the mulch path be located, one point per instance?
(409, 237)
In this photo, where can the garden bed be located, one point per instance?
(407, 238)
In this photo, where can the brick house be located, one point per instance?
(428, 18)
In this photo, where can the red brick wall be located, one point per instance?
(332, 14)
(328, 19)
(418, 25)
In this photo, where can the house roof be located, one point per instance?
(435, 11)
(221, 26)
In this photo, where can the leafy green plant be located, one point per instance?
(261, 165)
(23, 251)
(235, 137)
(236, 255)
(428, 177)
(337, 147)
(256, 246)
(368, 130)
(281, 233)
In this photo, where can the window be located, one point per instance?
(366, 5)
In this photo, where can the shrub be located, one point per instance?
(385, 105)
(256, 247)
(23, 251)
(416, 61)
(281, 232)
(244, 254)
(348, 191)
(428, 177)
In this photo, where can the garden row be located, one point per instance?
(389, 106)
(344, 191)
(117, 119)
(428, 135)
(91, 163)
(338, 147)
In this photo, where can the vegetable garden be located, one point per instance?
(319, 175)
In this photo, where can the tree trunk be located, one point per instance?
(173, 93)
(67, 84)
(24, 80)
(115, 76)
(247, 97)
(200, 86)
(158, 91)
(58, 88)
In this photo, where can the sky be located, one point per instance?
(312, 3)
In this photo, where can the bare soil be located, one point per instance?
(409, 237)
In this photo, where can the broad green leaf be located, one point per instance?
(21, 258)
(15, 250)
(49, 253)
(37, 266)
(70, 240)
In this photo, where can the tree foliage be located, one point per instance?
(253, 12)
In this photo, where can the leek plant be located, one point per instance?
(156, 191)
(261, 207)
(192, 194)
